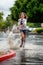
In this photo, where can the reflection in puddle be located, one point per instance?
(23, 57)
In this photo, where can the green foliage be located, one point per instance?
(33, 9)
(34, 25)
(5, 24)
(2, 22)
(9, 22)
(38, 30)
(1, 15)
(30, 24)
(2, 25)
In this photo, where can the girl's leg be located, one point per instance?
(21, 42)
(22, 39)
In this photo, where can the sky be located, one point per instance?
(5, 5)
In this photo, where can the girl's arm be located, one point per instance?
(25, 22)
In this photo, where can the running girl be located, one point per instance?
(22, 21)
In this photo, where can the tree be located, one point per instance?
(1, 15)
(33, 9)
(9, 21)
(2, 22)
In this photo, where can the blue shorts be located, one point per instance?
(24, 31)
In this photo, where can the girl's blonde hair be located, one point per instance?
(25, 16)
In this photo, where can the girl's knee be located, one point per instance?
(22, 34)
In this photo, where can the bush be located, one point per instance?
(38, 30)
(34, 25)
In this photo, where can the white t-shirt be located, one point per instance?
(24, 21)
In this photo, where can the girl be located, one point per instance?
(22, 21)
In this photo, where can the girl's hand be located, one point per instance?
(18, 27)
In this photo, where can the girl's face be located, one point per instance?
(22, 15)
